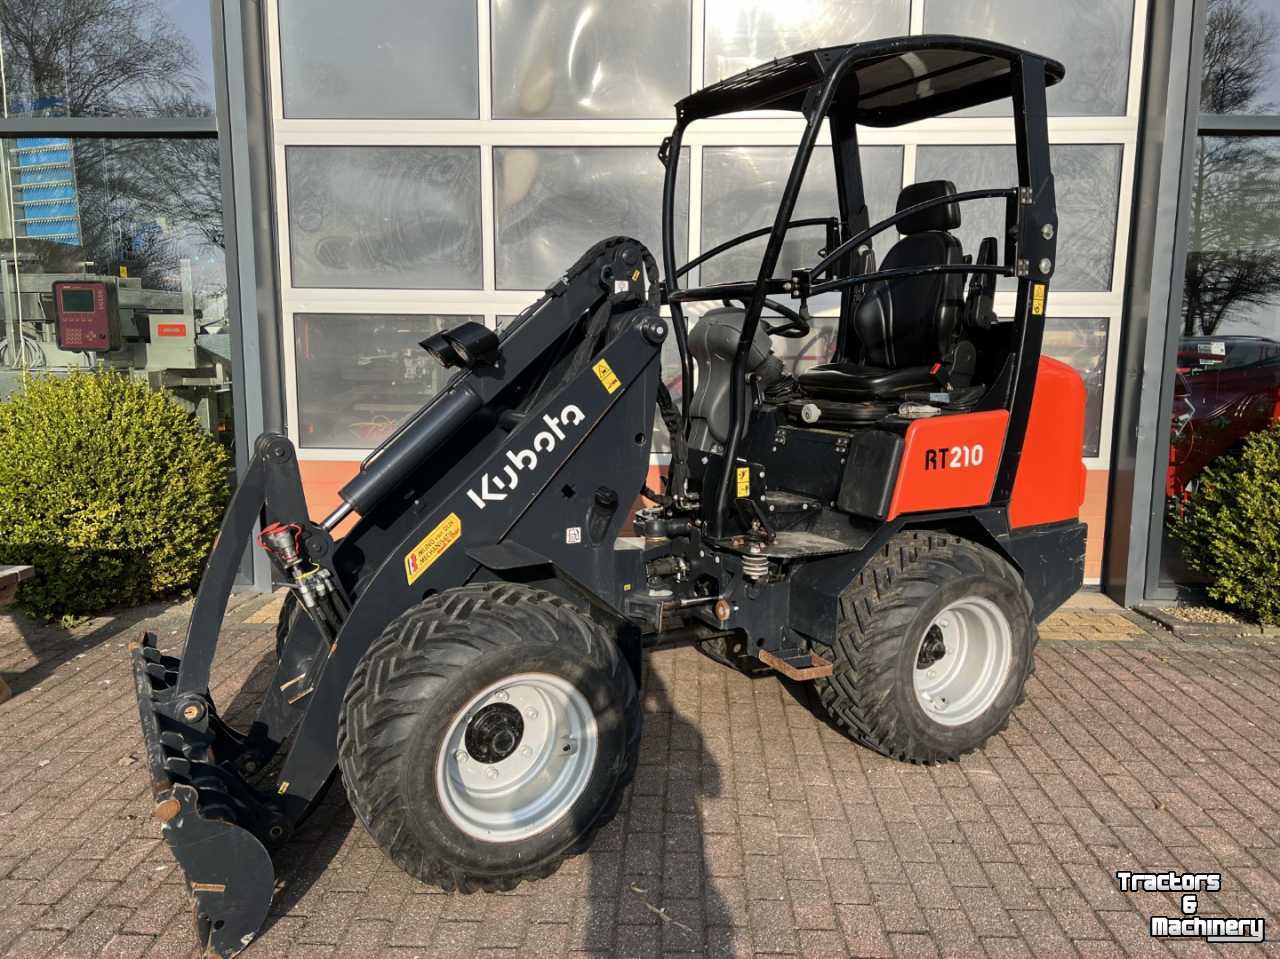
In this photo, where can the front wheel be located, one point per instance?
(487, 734)
(933, 650)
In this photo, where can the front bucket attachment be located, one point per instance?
(210, 816)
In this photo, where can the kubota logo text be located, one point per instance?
(494, 489)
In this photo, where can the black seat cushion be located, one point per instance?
(846, 381)
(904, 326)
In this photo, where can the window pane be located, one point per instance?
(554, 203)
(141, 216)
(107, 58)
(1087, 181)
(1082, 343)
(741, 188)
(384, 217)
(1241, 68)
(743, 33)
(1090, 37)
(587, 58)
(361, 375)
(1226, 378)
(379, 59)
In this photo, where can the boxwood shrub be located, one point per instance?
(1229, 529)
(109, 489)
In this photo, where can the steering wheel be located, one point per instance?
(797, 324)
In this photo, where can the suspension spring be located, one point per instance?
(755, 566)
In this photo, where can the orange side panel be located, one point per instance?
(949, 462)
(1050, 483)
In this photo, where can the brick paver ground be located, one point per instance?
(752, 827)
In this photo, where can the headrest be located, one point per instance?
(944, 216)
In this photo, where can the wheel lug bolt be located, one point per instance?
(526, 750)
(531, 713)
(492, 773)
(460, 755)
(933, 673)
(501, 696)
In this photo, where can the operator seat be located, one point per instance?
(905, 327)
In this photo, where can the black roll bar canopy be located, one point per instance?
(888, 82)
(883, 83)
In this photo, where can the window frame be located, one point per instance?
(1197, 124)
(489, 132)
(234, 61)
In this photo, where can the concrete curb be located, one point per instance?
(1206, 631)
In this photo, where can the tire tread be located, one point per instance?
(876, 610)
(413, 659)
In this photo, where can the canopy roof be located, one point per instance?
(893, 81)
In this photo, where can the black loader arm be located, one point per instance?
(536, 452)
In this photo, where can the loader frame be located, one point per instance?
(526, 468)
(217, 789)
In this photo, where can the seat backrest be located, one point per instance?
(912, 321)
(979, 303)
(713, 341)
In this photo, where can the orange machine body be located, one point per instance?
(949, 462)
(1049, 485)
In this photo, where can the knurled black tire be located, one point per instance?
(411, 683)
(883, 616)
(284, 622)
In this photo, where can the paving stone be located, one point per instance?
(863, 933)
(772, 927)
(796, 843)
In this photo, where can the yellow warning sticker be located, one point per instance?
(1037, 299)
(744, 481)
(635, 275)
(418, 560)
(608, 379)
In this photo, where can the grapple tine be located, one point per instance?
(206, 817)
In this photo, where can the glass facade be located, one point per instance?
(743, 33)
(361, 375)
(578, 59)
(1225, 372)
(109, 58)
(457, 174)
(1087, 185)
(741, 187)
(391, 217)
(554, 203)
(133, 215)
(1091, 37)
(379, 59)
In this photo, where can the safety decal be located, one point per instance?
(744, 481)
(1037, 299)
(608, 379)
(432, 546)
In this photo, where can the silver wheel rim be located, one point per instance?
(962, 661)
(509, 780)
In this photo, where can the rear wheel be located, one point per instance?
(487, 734)
(933, 650)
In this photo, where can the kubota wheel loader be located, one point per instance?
(889, 526)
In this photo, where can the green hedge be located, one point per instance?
(1230, 528)
(110, 490)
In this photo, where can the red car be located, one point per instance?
(1226, 387)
